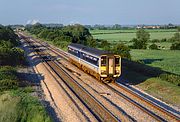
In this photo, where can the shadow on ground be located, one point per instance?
(135, 73)
(34, 79)
(150, 61)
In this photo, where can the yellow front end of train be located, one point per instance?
(110, 67)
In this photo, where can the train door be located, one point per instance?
(111, 65)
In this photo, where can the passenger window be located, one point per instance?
(103, 61)
(117, 61)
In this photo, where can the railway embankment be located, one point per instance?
(160, 84)
(18, 98)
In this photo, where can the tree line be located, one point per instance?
(62, 36)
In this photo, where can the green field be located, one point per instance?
(167, 60)
(127, 35)
(130, 31)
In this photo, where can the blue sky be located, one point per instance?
(90, 11)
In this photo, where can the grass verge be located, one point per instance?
(161, 89)
(17, 104)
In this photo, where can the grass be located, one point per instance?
(167, 60)
(19, 106)
(124, 36)
(131, 35)
(16, 103)
(116, 36)
(94, 32)
(161, 89)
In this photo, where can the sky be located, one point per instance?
(123, 12)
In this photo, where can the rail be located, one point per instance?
(100, 112)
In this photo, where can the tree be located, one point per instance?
(138, 44)
(43, 34)
(153, 47)
(91, 43)
(178, 28)
(105, 45)
(116, 27)
(175, 46)
(176, 37)
(142, 37)
(176, 41)
(121, 50)
(79, 33)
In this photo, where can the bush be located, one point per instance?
(11, 56)
(175, 46)
(6, 44)
(121, 50)
(153, 47)
(171, 78)
(7, 84)
(142, 37)
(164, 40)
(7, 72)
(139, 44)
(155, 40)
(175, 38)
(8, 78)
(19, 106)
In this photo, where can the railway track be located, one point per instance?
(100, 111)
(149, 112)
(149, 103)
(144, 100)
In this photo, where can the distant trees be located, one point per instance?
(178, 28)
(121, 50)
(62, 36)
(76, 34)
(153, 47)
(116, 27)
(105, 45)
(175, 46)
(79, 33)
(142, 37)
(176, 41)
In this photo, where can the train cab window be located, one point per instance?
(103, 61)
(117, 61)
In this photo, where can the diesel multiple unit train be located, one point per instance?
(103, 65)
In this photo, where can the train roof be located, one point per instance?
(90, 50)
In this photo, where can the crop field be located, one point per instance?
(127, 35)
(167, 60)
(130, 31)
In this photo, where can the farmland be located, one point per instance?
(125, 36)
(167, 60)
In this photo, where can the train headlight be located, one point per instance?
(117, 71)
(103, 71)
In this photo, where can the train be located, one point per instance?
(103, 65)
